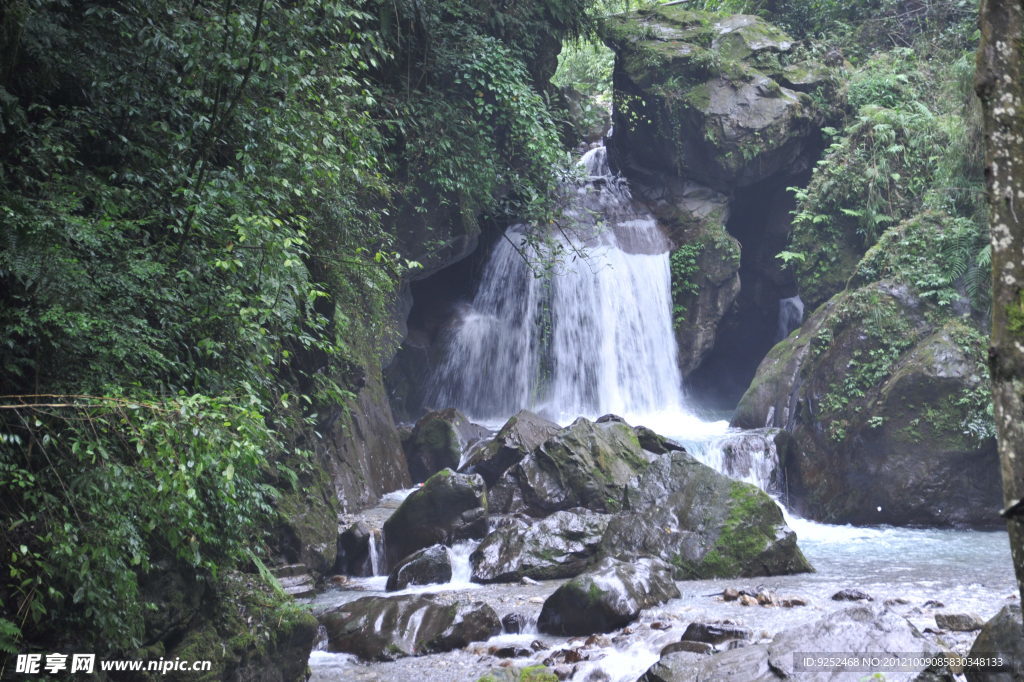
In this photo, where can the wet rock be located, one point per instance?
(689, 647)
(703, 523)
(607, 598)
(425, 567)
(1001, 637)
(730, 594)
(857, 629)
(959, 622)
(852, 595)
(653, 442)
(449, 507)
(386, 628)
(353, 555)
(559, 546)
(513, 623)
(896, 601)
(438, 441)
(511, 652)
(586, 464)
(790, 602)
(715, 633)
(933, 604)
(295, 580)
(521, 434)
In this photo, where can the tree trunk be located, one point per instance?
(1000, 85)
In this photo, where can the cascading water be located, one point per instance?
(791, 315)
(592, 335)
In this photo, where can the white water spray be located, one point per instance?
(592, 336)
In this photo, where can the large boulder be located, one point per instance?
(386, 628)
(715, 98)
(704, 524)
(587, 464)
(888, 409)
(560, 546)
(449, 507)
(607, 598)
(1001, 638)
(520, 435)
(425, 567)
(858, 631)
(438, 442)
(247, 630)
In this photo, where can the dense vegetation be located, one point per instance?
(199, 257)
(202, 211)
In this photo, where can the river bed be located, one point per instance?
(966, 571)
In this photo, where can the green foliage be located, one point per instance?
(199, 206)
(97, 490)
(683, 266)
(910, 142)
(937, 254)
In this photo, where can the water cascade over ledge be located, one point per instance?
(591, 335)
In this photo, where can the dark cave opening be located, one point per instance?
(760, 219)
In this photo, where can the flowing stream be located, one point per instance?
(592, 336)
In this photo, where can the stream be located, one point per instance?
(595, 336)
(965, 571)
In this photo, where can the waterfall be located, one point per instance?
(592, 334)
(791, 315)
(375, 542)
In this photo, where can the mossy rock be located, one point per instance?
(704, 96)
(886, 396)
(704, 523)
(253, 632)
(587, 464)
(449, 507)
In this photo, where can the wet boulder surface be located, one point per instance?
(559, 546)
(425, 567)
(856, 630)
(385, 628)
(608, 597)
(704, 524)
(449, 507)
(521, 434)
(437, 442)
(587, 464)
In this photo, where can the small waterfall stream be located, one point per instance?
(593, 335)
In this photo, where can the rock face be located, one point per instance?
(438, 441)
(425, 567)
(1002, 637)
(520, 435)
(705, 105)
(587, 464)
(607, 598)
(386, 628)
(859, 629)
(560, 546)
(704, 524)
(887, 410)
(358, 459)
(703, 96)
(449, 507)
